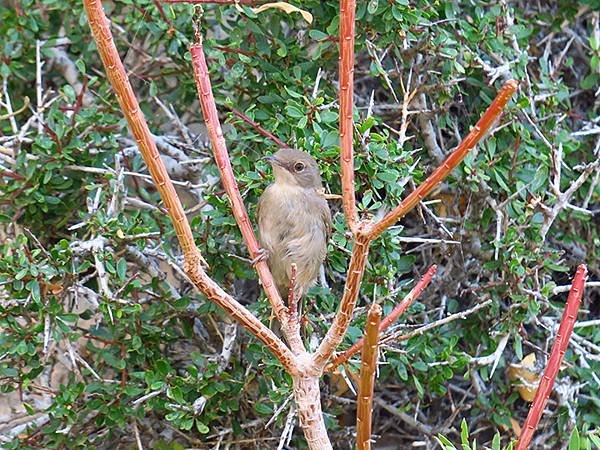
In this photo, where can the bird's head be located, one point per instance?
(295, 168)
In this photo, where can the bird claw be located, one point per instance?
(262, 255)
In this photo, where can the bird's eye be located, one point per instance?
(299, 167)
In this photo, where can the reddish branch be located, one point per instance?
(211, 119)
(389, 319)
(220, 2)
(365, 231)
(347, 16)
(368, 368)
(342, 318)
(257, 127)
(556, 356)
(305, 369)
(477, 133)
(139, 128)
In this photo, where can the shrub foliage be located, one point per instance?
(100, 332)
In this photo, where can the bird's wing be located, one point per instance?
(262, 214)
(326, 217)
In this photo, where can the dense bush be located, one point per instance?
(100, 332)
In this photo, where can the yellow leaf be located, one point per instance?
(525, 376)
(284, 7)
(515, 426)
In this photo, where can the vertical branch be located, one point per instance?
(347, 17)
(389, 319)
(477, 133)
(119, 81)
(307, 395)
(368, 368)
(556, 356)
(211, 118)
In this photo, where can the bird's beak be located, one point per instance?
(271, 159)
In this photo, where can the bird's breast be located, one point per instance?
(289, 213)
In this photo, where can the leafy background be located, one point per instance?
(101, 334)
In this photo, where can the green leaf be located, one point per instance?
(122, 269)
(372, 6)
(445, 443)
(574, 440)
(595, 439)
(292, 93)
(464, 433)
(34, 287)
(518, 347)
(201, 427)
(263, 409)
(292, 111)
(80, 64)
(21, 273)
(496, 442)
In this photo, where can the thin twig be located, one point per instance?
(438, 323)
(257, 127)
(389, 319)
(346, 97)
(38, 85)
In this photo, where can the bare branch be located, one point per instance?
(556, 356)
(476, 134)
(139, 128)
(211, 118)
(342, 319)
(389, 319)
(347, 17)
(438, 323)
(368, 369)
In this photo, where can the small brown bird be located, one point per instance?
(294, 221)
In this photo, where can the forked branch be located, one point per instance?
(119, 81)
(556, 356)
(388, 320)
(213, 125)
(365, 231)
(305, 369)
(368, 368)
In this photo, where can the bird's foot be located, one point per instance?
(261, 256)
